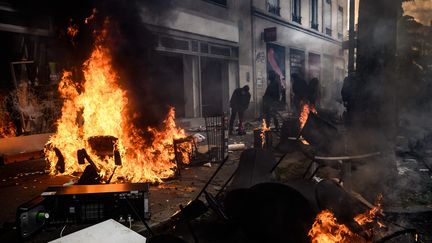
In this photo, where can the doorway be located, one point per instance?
(171, 82)
(212, 86)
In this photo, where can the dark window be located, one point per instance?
(194, 45)
(273, 7)
(340, 22)
(314, 14)
(221, 51)
(204, 48)
(218, 2)
(235, 51)
(327, 19)
(296, 11)
(172, 43)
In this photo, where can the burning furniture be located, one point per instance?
(99, 107)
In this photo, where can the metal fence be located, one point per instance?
(217, 137)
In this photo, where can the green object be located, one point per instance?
(42, 215)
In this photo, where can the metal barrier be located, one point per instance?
(217, 137)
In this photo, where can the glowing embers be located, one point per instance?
(7, 128)
(99, 107)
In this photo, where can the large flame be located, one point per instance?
(99, 108)
(326, 229)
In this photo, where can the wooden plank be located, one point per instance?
(12, 158)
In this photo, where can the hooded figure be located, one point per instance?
(271, 99)
(239, 103)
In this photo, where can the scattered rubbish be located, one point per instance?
(199, 137)
(236, 146)
(70, 183)
(410, 160)
(208, 164)
(217, 188)
(402, 170)
(197, 129)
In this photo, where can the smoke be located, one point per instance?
(132, 47)
(130, 41)
(421, 10)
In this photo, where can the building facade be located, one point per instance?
(215, 46)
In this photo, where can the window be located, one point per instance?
(296, 11)
(273, 7)
(327, 13)
(314, 14)
(218, 2)
(340, 23)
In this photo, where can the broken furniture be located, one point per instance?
(329, 147)
(196, 207)
(102, 146)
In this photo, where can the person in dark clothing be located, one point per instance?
(348, 98)
(313, 92)
(271, 99)
(239, 103)
(300, 91)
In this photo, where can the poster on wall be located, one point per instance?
(276, 63)
(297, 62)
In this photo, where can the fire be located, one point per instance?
(72, 31)
(326, 229)
(7, 129)
(98, 107)
(264, 129)
(370, 216)
(304, 114)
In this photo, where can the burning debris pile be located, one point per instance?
(99, 107)
(326, 228)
